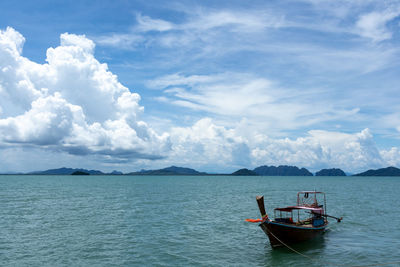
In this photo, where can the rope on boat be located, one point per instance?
(292, 249)
(327, 262)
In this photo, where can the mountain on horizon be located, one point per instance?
(173, 170)
(389, 171)
(282, 170)
(65, 171)
(244, 172)
(330, 172)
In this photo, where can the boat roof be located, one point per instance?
(290, 208)
(311, 192)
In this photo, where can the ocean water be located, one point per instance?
(189, 221)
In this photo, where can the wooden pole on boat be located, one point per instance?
(260, 202)
(330, 216)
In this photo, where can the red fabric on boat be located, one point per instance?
(258, 220)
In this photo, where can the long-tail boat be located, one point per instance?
(294, 224)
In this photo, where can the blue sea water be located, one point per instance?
(189, 221)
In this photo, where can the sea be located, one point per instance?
(190, 221)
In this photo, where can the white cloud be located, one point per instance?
(130, 40)
(77, 41)
(237, 95)
(46, 123)
(72, 103)
(198, 28)
(146, 23)
(230, 94)
(322, 149)
(204, 20)
(120, 40)
(208, 146)
(373, 25)
(12, 41)
(16, 91)
(299, 38)
(391, 156)
(243, 21)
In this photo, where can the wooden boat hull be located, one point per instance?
(288, 233)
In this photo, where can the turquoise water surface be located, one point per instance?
(189, 221)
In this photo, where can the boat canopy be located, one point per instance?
(290, 208)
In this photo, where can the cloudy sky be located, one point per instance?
(211, 85)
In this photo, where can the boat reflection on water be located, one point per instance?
(274, 257)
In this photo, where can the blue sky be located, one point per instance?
(212, 85)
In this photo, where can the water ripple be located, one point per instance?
(188, 221)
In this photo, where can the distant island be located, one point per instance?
(282, 170)
(389, 171)
(330, 172)
(244, 172)
(173, 170)
(70, 171)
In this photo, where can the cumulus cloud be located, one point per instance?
(208, 145)
(77, 41)
(47, 122)
(72, 103)
(391, 156)
(322, 149)
(16, 91)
